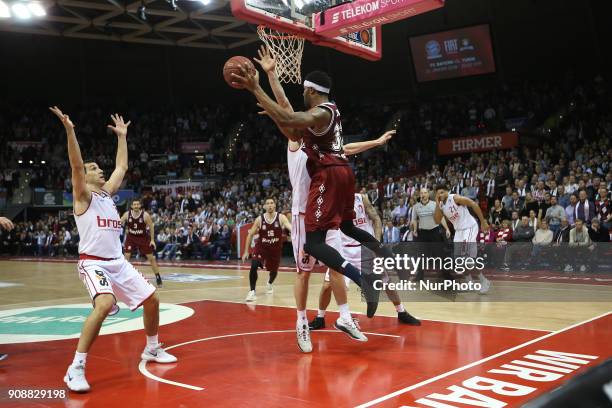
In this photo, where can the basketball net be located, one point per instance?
(287, 50)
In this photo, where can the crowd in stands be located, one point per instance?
(554, 190)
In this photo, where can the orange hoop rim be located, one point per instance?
(284, 36)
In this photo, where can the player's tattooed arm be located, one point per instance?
(121, 162)
(79, 186)
(285, 222)
(252, 231)
(358, 147)
(373, 215)
(314, 118)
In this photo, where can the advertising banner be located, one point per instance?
(480, 143)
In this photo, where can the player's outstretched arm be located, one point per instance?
(268, 64)
(373, 215)
(358, 147)
(252, 231)
(121, 162)
(79, 187)
(285, 222)
(471, 204)
(316, 117)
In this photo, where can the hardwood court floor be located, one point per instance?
(232, 354)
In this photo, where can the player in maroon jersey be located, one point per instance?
(137, 222)
(331, 194)
(268, 248)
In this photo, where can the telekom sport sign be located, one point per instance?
(480, 143)
(361, 14)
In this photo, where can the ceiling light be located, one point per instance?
(37, 9)
(5, 11)
(21, 11)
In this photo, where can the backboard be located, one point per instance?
(295, 16)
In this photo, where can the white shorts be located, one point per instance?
(118, 278)
(466, 242)
(303, 261)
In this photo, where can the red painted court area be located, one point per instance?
(234, 355)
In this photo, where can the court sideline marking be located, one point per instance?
(142, 367)
(363, 314)
(475, 363)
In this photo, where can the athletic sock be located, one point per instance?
(152, 342)
(400, 308)
(79, 359)
(344, 311)
(273, 276)
(321, 313)
(253, 274)
(301, 317)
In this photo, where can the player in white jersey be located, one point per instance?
(300, 181)
(367, 219)
(455, 208)
(104, 271)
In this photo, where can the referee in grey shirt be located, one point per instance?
(426, 229)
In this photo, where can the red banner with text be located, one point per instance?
(480, 143)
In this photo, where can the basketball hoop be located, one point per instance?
(287, 49)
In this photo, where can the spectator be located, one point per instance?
(585, 209)
(554, 214)
(522, 236)
(598, 232)
(603, 208)
(562, 235)
(580, 241)
(516, 204)
(391, 233)
(497, 214)
(571, 209)
(542, 238)
(515, 220)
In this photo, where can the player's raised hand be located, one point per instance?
(6, 223)
(120, 128)
(64, 118)
(249, 80)
(266, 60)
(386, 137)
(245, 256)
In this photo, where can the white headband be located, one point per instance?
(308, 84)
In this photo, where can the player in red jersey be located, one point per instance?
(138, 221)
(331, 194)
(268, 248)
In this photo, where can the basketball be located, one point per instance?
(232, 66)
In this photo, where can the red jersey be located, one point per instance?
(270, 235)
(136, 225)
(325, 148)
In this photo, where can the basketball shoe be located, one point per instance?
(157, 354)
(75, 378)
(303, 338)
(350, 327)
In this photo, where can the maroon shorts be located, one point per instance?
(133, 243)
(268, 259)
(331, 198)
